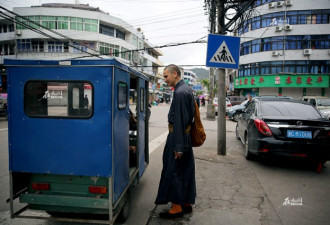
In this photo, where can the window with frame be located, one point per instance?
(55, 46)
(62, 23)
(81, 47)
(122, 95)
(142, 100)
(23, 45)
(120, 34)
(125, 54)
(135, 41)
(106, 30)
(37, 46)
(58, 99)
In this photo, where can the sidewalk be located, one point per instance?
(228, 191)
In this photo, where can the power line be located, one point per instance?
(55, 32)
(149, 1)
(166, 20)
(165, 15)
(14, 20)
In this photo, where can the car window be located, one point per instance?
(312, 101)
(289, 109)
(323, 101)
(250, 108)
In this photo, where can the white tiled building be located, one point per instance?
(190, 77)
(80, 29)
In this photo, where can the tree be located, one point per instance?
(206, 83)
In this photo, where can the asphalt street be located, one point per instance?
(230, 189)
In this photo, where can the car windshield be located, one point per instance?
(289, 109)
(323, 102)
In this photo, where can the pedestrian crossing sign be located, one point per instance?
(223, 51)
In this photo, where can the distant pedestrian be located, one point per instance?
(177, 183)
(203, 101)
(249, 100)
(197, 100)
(86, 102)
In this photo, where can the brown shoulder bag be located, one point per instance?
(197, 132)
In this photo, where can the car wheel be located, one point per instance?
(247, 152)
(235, 117)
(236, 131)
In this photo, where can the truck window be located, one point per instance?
(142, 100)
(58, 99)
(122, 95)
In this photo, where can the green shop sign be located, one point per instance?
(299, 81)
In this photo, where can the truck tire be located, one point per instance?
(124, 212)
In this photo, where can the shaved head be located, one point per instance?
(173, 68)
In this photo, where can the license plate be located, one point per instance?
(299, 134)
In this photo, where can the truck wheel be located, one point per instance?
(124, 212)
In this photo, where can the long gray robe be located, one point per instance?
(177, 183)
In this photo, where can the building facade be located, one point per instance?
(190, 78)
(66, 31)
(285, 49)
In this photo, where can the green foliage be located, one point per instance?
(199, 93)
(206, 83)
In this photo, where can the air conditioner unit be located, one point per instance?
(275, 53)
(279, 4)
(288, 27)
(307, 51)
(278, 28)
(271, 5)
(288, 2)
(18, 32)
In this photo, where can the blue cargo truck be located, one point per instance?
(71, 151)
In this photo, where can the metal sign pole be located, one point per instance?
(221, 91)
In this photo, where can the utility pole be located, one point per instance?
(217, 12)
(221, 145)
(210, 107)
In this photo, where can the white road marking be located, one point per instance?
(154, 144)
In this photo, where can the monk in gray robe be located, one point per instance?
(177, 184)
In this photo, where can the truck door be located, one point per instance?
(141, 127)
(120, 131)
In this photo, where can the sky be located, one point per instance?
(163, 22)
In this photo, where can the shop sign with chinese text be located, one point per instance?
(302, 81)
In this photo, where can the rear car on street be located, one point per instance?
(233, 113)
(215, 103)
(284, 127)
